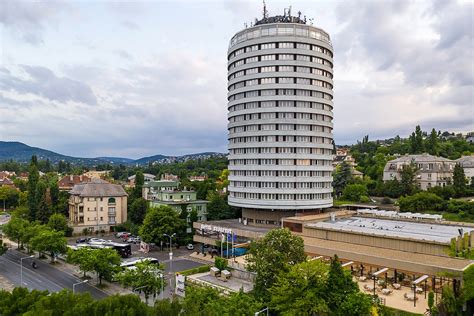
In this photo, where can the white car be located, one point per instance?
(190, 246)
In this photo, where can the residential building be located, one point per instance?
(470, 137)
(166, 192)
(146, 176)
(94, 174)
(467, 163)
(431, 170)
(67, 182)
(97, 205)
(4, 181)
(169, 177)
(280, 112)
(198, 178)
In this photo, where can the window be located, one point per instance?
(303, 69)
(268, 69)
(285, 68)
(303, 58)
(267, 57)
(268, 46)
(251, 71)
(251, 60)
(111, 200)
(303, 46)
(286, 45)
(286, 80)
(267, 80)
(285, 57)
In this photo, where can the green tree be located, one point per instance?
(408, 178)
(355, 192)
(137, 210)
(339, 286)
(146, 277)
(9, 197)
(105, 263)
(33, 178)
(43, 199)
(355, 304)
(50, 241)
(421, 202)
(342, 177)
(432, 143)
(15, 229)
(83, 257)
(32, 230)
(139, 181)
(459, 180)
(416, 141)
(58, 222)
(301, 290)
(159, 221)
(274, 253)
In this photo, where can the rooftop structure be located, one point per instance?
(98, 188)
(467, 163)
(394, 228)
(67, 182)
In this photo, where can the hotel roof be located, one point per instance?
(394, 228)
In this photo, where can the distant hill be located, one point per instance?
(22, 153)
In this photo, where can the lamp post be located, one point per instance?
(21, 268)
(171, 256)
(74, 286)
(263, 310)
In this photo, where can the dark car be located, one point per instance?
(82, 240)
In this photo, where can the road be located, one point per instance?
(45, 277)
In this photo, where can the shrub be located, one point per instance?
(420, 202)
(220, 263)
(200, 269)
(354, 192)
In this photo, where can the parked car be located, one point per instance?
(190, 246)
(82, 240)
(121, 234)
(134, 240)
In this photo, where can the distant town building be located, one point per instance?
(69, 181)
(97, 205)
(6, 182)
(432, 171)
(467, 163)
(167, 192)
(169, 177)
(357, 174)
(7, 174)
(94, 174)
(470, 137)
(198, 178)
(147, 178)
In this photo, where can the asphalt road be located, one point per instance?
(45, 277)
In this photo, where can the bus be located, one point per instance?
(124, 250)
(130, 263)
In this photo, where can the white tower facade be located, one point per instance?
(280, 130)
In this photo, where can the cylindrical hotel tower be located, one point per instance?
(280, 120)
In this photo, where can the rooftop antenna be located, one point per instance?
(265, 12)
(289, 11)
(299, 14)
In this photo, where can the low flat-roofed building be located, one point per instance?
(412, 245)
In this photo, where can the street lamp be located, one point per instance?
(263, 310)
(171, 257)
(74, 286)
(21, 268)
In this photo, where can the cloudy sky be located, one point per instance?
(136, 78)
